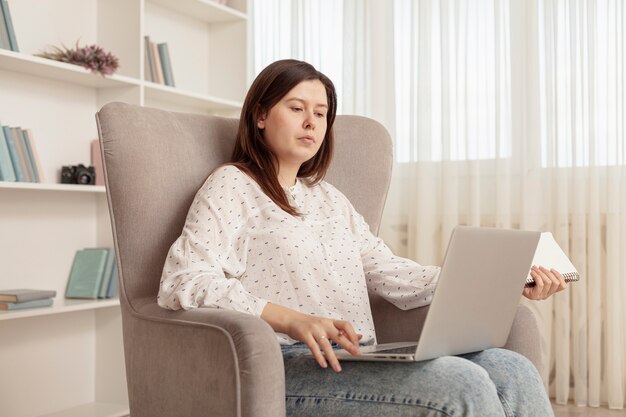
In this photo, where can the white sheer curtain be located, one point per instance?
(329, 34)
(511, 114)
(505, 113)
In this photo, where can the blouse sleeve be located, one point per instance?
(403, 282)
(203, 265)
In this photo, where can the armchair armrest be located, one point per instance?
(396, 325)
(174, 358)
(525, 337)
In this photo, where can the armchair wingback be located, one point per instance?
(208, 362)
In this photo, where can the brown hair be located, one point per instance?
(251, 153)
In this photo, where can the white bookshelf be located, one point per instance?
(59, 306)
(93, 410)
(60, 71)
(70, 356)
(52, 187)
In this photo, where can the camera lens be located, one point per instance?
(84, 178)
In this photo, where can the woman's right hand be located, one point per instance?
(315, 332)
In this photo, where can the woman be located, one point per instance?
(267, 236)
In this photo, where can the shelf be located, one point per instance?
(172, 95)
(205, 10)
(94, 410)
(60, 305)
(52, 187)
(60, 71)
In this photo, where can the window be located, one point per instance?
(452, 80)
(307, 30)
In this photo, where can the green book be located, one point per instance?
(104, 285)
(7, 173)
(46, 302)
(30, 155)
(19, 175)
(87, 273)
(5, 42)
(8, 22)
(166, 64)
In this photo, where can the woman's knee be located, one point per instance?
(505, 365)
(469, 386)
(517, 381)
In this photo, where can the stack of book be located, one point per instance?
(93, 274)
(19, 160)
(158, 67)
(23, 298)
(7, 33)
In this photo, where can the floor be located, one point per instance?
(571, 410)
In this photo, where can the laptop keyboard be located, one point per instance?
(406, 349)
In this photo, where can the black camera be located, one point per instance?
(78, 174)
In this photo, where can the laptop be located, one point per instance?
(480, 285)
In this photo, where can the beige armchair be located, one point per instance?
(208, 362)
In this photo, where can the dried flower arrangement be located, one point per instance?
(92, 57)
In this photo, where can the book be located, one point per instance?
(6, 166)
(166, 64)
(28, 137)
(5, 43)
(8, 22)
(18, 140)
(46, 302)
(158, 71)
(150, 59)
(18, 134)
(29, 153)
(106, 277)
(87, 273)
(15, 160)
(146, 64)
(112, 290)
(550, 255)
(96, 161)
(21, 295)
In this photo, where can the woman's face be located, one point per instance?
(295, 127)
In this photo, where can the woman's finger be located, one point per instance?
(325, 345)
(554, 281)
(345, 343)
(535, 292)
(315, 350)
(547, 283)
(562, 283)
(346, 329)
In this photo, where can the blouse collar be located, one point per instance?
(294, 189)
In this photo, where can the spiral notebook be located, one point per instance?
(550, 255)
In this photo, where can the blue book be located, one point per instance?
(9, 25)
(6, 166)
(31, 159)
(25, 294)
(106, 277)
(4, 35)
(112, 291)
(87, 273)
(15, 159)
(166, 64)
(46, 302)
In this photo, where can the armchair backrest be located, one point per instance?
(156, 160)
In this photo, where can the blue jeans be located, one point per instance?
(494, 382)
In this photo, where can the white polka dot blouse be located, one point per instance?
(238, 250)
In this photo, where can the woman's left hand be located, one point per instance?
(547, 282)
